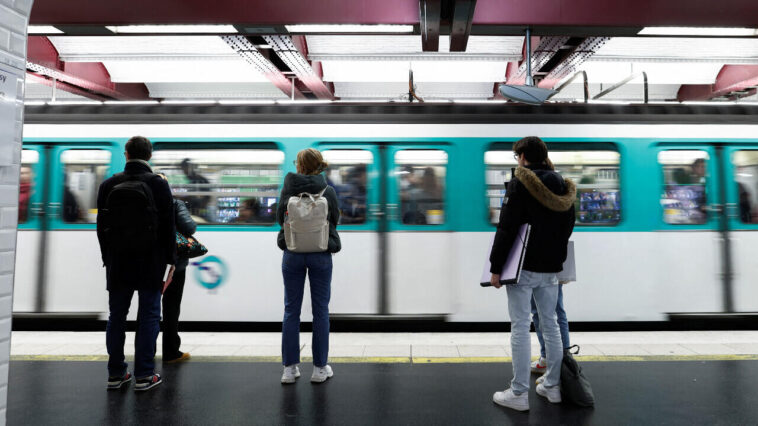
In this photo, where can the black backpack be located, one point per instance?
(131, 217)
(575, 388)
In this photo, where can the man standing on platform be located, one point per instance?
(135, 228)
(539, 196)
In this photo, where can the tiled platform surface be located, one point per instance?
(467, 346)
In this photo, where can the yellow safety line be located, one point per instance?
(406, 360)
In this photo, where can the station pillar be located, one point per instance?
(14, 19)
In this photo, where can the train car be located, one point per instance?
(665, 215)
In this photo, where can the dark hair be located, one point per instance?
(534, 150)
(139, 148)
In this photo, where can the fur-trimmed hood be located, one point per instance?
(543, 194)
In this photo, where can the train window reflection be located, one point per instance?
(29, 160)
(596, 174)
(348, 175)
(84, 170)
(421, 180)
(224, 186)
(746, 176)
(684, 181)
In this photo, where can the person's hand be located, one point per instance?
(495, 281)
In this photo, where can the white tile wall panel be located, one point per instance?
(7, 261)
(8, 217)
(392, 90)
(14, 16)
(215, 90)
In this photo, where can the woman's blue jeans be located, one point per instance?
(318, 266)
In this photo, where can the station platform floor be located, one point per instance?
(667, 378)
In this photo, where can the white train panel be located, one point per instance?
(745, 261)
(27, 268)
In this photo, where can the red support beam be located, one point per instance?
(293, 51)
(551, 13)
(731, 80)
(89, 79)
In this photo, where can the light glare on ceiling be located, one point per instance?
(173, 29)
(698, 31)
(310, 28)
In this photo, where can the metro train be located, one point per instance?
(666, 216)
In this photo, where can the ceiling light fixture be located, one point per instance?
(314, 101)
(246, 102)
(528, 93)
(343, 29)
(130, 102)
(173, 29)
(188, 102)
(43, 29)
(698, 31)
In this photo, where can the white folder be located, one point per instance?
(512, 268)
(569, 266)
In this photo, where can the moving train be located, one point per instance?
(666, 215)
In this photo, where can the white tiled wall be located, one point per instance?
(14, 16)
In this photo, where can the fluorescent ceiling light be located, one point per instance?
(246, 102)
(75, 103)
(173, 29)
(479, 101)
(299, 101)
(188, 101)
(43, 29)
(698, 31)
(34, 102)
(130, 102)
(308, 28)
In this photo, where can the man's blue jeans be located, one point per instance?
(148, 326)
(563, 323)
(544, 288)
(318, 266)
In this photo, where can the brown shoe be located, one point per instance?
(184, 357)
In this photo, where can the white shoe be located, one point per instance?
(290, 374)
(541, 379)
(539, 366)
(552, 394)
(509, 399)
(320, 374)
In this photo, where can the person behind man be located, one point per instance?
(135, 228)
(172, 296)
(318, 265)
(539, 196)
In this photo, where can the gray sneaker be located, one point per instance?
(320, 374)
(290, 374)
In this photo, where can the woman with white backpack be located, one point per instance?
(308, 213)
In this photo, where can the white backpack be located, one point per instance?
(306, 228)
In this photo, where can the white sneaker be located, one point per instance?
(290, 374)
(552, 394)
(320, 374)
(539, 366)
(541, 379)
(509, 399)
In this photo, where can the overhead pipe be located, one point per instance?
(623, 82)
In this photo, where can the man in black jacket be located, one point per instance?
(127, 271)
(539, 196)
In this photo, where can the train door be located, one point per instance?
(358, 175)
(419, 243)
(31, 225)
(64, 262)
(741, 214)
(691, 250)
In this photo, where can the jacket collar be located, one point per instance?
(546, 197)
(133, 166)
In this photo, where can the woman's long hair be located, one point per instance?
(311, 162)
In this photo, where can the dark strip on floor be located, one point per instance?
(200, 393)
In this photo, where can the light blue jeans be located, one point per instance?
(563, 323)
(544, 288)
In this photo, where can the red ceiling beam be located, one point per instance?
(731, 80)
(311, 74)
(89, 79)
(581, 13)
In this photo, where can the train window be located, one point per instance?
(596, 174)
(29, 160)
(230, 186)
(347, 173)
(421, 180)
(746, 176)
(684, 177)
(84, 170)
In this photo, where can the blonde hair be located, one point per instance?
(310, 162)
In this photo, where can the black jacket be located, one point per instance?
(542, 198)
(295, 184)
(185, 226)
(142, 270)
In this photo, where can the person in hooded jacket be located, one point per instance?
(539, 196)
(308, 179)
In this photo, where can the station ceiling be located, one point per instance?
(363, 50)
